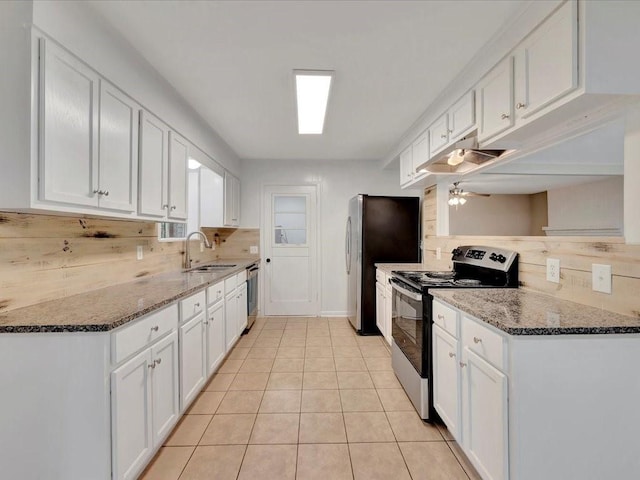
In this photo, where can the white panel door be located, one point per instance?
(178, 158)
(216, 345)
(446, 384)
(290, 246)
(153, 178)
(231, 319)
(495, 100)
(131, 416)
(211, 198)
(164, 385)
(193, 362)
(438, 134)
(462, 116)
(118, 174)
(69, 93)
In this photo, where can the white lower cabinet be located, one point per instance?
(446, 380)
(485, 413)
(193, 361)
(384, 304)
(380, 308)
(231, 319)
(216, 345)
(144, 405)
(242, 312)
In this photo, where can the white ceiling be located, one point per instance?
(232, 62)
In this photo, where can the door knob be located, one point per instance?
(268, 260)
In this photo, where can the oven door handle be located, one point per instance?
(413, 295)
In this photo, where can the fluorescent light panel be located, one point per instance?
(312, 96)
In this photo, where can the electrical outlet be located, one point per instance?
(601, 277)
(139, 252)
(553, 270)
(253, 249)
(438, 253)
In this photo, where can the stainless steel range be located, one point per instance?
(473, 267)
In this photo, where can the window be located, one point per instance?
(290, 220)
(172, 232)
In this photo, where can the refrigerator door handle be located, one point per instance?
(347, 246)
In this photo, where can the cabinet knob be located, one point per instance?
(520, 105)
(152, 365)
(158, 361)
(462, 364)
(99, 192)
(165, 206)
(452, 355)
(106, 193)
(444, 135)
(504, 116)
(440, 316)
(197, 304)
(477, 340)
(173, 207)
(205, 323)
(155, 329)
(450, 131)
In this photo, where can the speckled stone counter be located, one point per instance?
(107, 308)
(519, 312)
(389, 267)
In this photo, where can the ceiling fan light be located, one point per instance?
(456, 157)
(453, 201)
(462, 200)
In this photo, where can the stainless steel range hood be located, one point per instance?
(461, 157)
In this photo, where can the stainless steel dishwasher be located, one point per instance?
(252, 293)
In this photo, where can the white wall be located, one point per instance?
(338, 181)
(82, 31)
(589, 205)
(494, 215)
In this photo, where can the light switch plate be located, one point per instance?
(438, 253)
(601, 277)
(253, 249)
(553, 270)
(139, 252)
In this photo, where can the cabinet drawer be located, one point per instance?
(230, 284)
(193, 305)
(241, 277)
(446, 318)
(215, 293)
(484, 342)
(381, 277)
(132, 338)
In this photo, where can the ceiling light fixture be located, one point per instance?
(194, 164)
(312, 97)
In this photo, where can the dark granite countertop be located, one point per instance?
(108, 308)
(521, 312)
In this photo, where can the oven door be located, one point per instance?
(407, 323)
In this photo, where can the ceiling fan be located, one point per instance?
(457, 196)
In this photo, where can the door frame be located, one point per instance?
(264, 240)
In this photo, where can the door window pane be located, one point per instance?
(290, 219)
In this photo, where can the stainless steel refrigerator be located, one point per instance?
(379, 230)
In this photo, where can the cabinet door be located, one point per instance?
(118, 172)
(380, 308)
(231, 319)
(547, 62)
(211, 198)
(420, 153)
(216, 345)
(495, 100)
(242, 308)
(178, 159)
(193, 362)
(485, 415)
(446, 384)
(153, 179)
(131, 416)
(164, 384)
(438, 135)
(406, 166)
(231, 200)
(68, 161)
(462, 117)
(388, 308)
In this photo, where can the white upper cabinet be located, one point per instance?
(177, 185)
(211, 198)
(495, 100)
(406, 166)
(118, 166)
(462, 117)
(546, 63)
(163, 170)
(68, 163)
(231, 200)
(420, 154)
(439, 134)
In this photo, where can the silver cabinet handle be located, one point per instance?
(462, 364)
(504, 116)
(106, 193)
(99, 192)
(477, 340)
(155, 329)
(452, 355)
(152, 365)
(158, 361)
(444, 135)
(205, 323)
(165, 206)
(520, 105)
(440, 316)
(173, 207)
(102, 192)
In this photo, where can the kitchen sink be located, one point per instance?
(212, 268)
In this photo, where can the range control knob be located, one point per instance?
(501, 258)
(456, 252)
(493, 257)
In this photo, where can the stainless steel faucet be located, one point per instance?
(187, 255)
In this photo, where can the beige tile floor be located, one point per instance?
(307, 398)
